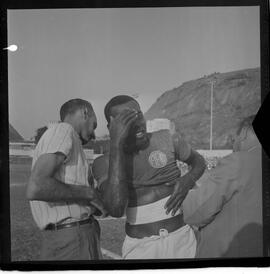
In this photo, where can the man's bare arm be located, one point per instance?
(197, 164)
(116, 191)
(44, 187)
(186, 182)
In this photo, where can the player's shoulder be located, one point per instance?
(100, 166)
(59, 129)
(102, 160)
(55, 134)
(167, 135)
(163, 133)
(63, 127)
(162, 137)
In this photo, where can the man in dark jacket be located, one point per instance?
(226, 203)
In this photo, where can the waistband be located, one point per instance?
(149, 213)
(163, 233)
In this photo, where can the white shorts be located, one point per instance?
(178, 244)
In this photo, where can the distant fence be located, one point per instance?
(26, 151)
(211, 156)
(215, 153)
(22, 150)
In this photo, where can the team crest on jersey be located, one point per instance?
(157, 159)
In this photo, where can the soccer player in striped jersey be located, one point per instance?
(140, 178)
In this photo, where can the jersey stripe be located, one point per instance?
(65, 136)
(51, 138)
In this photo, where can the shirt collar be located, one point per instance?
(73, 129)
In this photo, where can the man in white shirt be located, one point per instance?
(61, 199)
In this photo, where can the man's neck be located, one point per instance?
(71, 123)
(250, 144)
(131, 148)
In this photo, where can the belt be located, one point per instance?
(150, 229)
(72, 224)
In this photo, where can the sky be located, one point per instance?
(95, 54)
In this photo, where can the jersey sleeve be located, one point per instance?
(182, 148)
(100, 169)
(58, 139)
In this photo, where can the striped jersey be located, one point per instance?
(62, 138)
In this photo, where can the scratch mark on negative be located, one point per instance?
(110, 254)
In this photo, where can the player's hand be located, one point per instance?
(97, 202)
(120, 125)
(181, 189)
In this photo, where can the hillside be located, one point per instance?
(14, 136)
(236, 95)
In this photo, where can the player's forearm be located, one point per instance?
(116, 191)
(197, 163)
(51, 190)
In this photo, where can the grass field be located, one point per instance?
(26, 237)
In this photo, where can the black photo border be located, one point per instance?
(260, 126)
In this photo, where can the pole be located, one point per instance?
(211, 117)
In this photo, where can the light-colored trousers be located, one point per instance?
(178, 244)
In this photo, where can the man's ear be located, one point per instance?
(111, 119)
(84, 113)
(243, 134)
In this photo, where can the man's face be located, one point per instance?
(88, 126)
(137, 134)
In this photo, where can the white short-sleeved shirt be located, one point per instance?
(62, 138)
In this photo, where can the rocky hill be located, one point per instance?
(14, 136)
(235, 95)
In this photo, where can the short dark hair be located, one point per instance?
(39, 133)
(246, 123)
(73, 105)
(115, 101)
